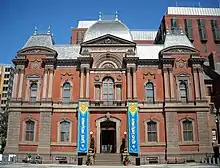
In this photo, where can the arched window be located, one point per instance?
(149, 92)
(29, 130)
(64, 131)
(108, 91)
(183, 91)
(33, 92)
(187, 130)
(152, 131)
(66, 92)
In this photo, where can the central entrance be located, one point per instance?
(108, 137)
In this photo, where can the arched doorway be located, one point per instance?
(113, 127)
(108, 137)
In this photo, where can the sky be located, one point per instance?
(19, 17)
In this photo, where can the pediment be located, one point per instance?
(179, 50)
(37, 50)
(108, 39)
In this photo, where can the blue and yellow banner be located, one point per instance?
(133, 132)
(83, 127)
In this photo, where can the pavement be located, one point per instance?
(192, 165)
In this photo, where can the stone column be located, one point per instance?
(44, 135)
(45, 84)
(166, 84)
(172, 133)
(21, 84)
(82, 83)
(15, 85)
(196, 85)
(134, 83)
(171, 85)
(50, 88)
(13, 132)
(87, 83)
(128, 84)
(202, 84)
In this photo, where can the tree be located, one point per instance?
(3, 129)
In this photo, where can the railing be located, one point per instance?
(101, 103)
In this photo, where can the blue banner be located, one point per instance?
(83, 124)
(133, 132)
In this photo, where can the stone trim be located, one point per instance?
(63, 144)
(193, 131)
(98, 129)
(59, 129)
(24, 130)
(21, 84)
(146, 130)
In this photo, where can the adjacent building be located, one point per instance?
(112, 83)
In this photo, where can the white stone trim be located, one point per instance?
(98, 129)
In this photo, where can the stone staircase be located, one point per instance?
(108, 159)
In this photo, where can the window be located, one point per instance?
(209, 90)
(187, 130)
(202, 30)
(152, 131)
(204, 47)
(4, 94)
(188, 28)
(215, 30)
(33, 94)
(214, 138)
(174, 26)
(5, 88)
(6, 76)
(108, 91)
(149, 92)
(7, 69)
(218, 48)
(183, 91)
(64, 131)
(29, 131)
(66, 93)
(3, 102)
(5, 82)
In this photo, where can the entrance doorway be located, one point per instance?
(108, 137)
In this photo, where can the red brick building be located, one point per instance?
(110, 67)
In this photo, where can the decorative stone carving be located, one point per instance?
(97, 78)
(108, 66)
(107, 116)
(149, 73)
(35, 64)
(67, 74)
(181, 63)
(119, 77)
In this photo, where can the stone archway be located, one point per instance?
(98, 132)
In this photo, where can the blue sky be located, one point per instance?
(19, 17)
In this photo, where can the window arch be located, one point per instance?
(108, 91)
(33, 92)
(152, 131)
(149, 92)
(66, 92)
(29, 130)
(183, 91)
(64, 131)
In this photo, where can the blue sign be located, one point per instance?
(83, 124)
(133, 138)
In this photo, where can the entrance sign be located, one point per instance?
(133, 139)
(83, 124)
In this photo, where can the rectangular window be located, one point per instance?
(187, 131)
(174, 27)
(188, 28)
(29, 136)
(215, 30)
(214, 138)
(66, 96)
(202, 30)
(152, 131)
(5, 82)
(7, 69)
(64, 134)
(6, 76)
(5, 88)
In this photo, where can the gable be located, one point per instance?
(108, 40)
(179, 49)
(37, 50)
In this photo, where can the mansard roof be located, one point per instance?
(45, 40)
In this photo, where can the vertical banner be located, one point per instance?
(83, 124)
(133, 132)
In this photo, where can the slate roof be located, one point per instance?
(67, 51)
(45, 40)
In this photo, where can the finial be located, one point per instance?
(35, 30)
(100, 15)
(48, 31)
(116, 15)
(181, 30)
